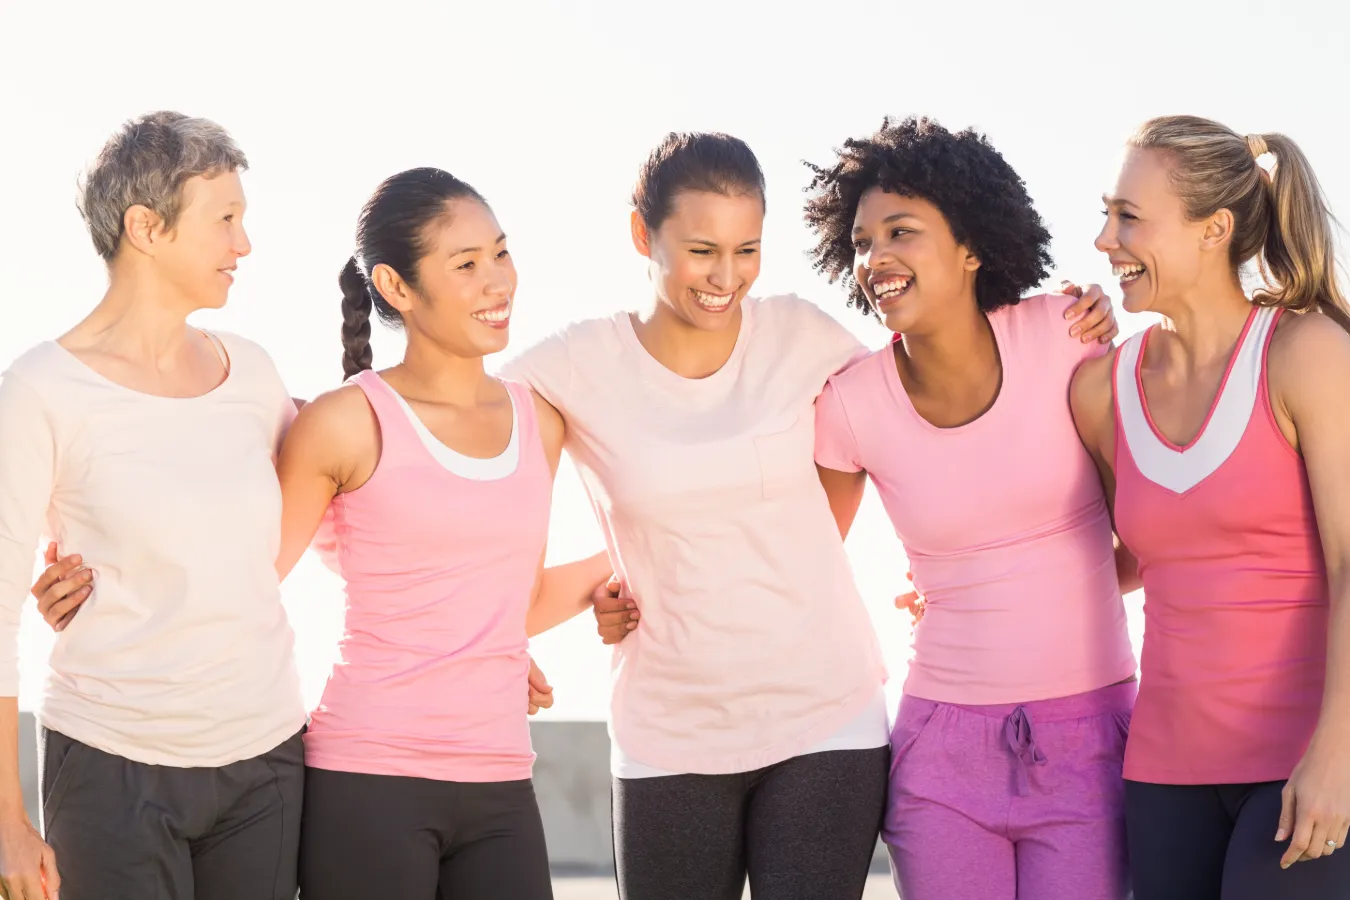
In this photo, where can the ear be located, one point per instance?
(971, 262)
(395, 291)
(142, 228)
(1218, 230)
(641, 236)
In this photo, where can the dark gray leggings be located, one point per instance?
(804, 829)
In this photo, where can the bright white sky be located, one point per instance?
(548, 108)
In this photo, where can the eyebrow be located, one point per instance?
(501, 237)
(708, 243)
(894, 217)
(1117, 201)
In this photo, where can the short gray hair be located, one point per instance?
(146, 163)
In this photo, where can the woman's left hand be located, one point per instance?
(1316, 808)
(541, 692)
(1092, 316)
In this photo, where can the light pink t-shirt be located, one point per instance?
(754, 643)
(439, 571)
(1003, 520)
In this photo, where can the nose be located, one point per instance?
(723, 274)
(1106, 238)
(242, 245)
(876, 255)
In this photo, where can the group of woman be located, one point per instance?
(1031, 472)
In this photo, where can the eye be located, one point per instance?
(749, 251)
(230, 217)
(896, 232)
(504, 253)
(702, 251)
(465, 267)
(860, 246)
(1126, 215)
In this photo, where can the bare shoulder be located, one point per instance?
(1091, 390)
(1304, 345)
(337, 423)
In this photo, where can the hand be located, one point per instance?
(1096, 320)
(62, 589)
(615, 617)
(27, 865)
(1316, 806)
(912, 601)
(541, 692)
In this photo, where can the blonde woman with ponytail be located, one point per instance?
(1224, 438)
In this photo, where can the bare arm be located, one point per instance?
(563, 592)
(844, 490)
(1309, 375)
(332, 446)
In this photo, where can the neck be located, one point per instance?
(687, 351)
(960, 351)
(1205, 321)
(138, 318)
(433, 373)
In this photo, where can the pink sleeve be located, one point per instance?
(1070, 346)
(836, 445)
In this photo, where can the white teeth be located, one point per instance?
(891, 287)
(713, 301)
(501, 314)
(1128, 272)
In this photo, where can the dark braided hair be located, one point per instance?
(984, 201)
(694, 161)
(391, 230)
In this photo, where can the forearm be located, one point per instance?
(1334, 722)
(565, 591)
(11, 789)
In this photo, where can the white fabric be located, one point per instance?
(471, 467)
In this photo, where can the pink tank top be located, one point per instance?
(1235, 590)
(439, 569)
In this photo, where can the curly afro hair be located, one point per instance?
(984, 201)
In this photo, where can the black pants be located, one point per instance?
(369, 836)
(123, 829)
(1217, 842)
(804, 829)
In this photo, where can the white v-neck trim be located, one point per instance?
(1179, 469)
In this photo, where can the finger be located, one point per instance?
(533, 709)
(55, 572)
(613, 585)
(618, 617)
(1113, 329)
(907, 600)
(50, 874)
(1092, 318)
(64, 590)
(1286, 825)
(542, 701)
(1317, 842)
(50, 556)
(66, 609)
(1071, 289)
(1078, 307)
(1303, 829)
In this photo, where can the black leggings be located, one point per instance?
(1217, 842)
(367, 836)
(804, 829)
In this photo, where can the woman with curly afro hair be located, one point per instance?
(1007, 746)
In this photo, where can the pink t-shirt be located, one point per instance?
(439, 570)
(1003, 520)
(754, 643)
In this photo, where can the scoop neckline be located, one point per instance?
(216, 342)
(657, 369)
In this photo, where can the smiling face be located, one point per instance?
(1156, 250)
(198, 255)
(466, 282)
(911, 268)
(704, 255)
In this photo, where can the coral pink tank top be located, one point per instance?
(1235, 589)
(440, 570)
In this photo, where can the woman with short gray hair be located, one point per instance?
(171, 717)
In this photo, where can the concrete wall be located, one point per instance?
(571, 778)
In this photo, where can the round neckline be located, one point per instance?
(423, 434)
(902, 396)
(657, 369)
(216, 343)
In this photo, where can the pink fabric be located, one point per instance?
(754, 643)
(1017, 800)
(440, 571)
(1235, 611)
(1003, 520)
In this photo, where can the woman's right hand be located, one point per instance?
(27, 864)
(62, 589)
(614, 616)
(911, 600)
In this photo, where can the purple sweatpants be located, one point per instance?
(1016, 802)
